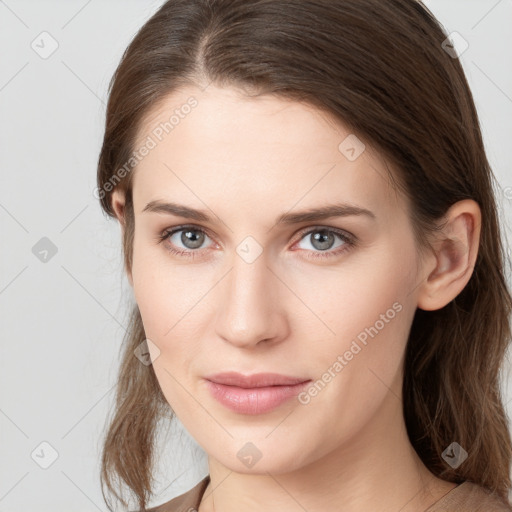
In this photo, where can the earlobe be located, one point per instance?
(118, 204)
(117, 201)
(456, 250)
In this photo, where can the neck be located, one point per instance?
(376, 469)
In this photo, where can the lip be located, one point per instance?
(254, 394)
(256, 380)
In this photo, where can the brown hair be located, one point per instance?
(380, 68)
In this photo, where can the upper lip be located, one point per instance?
(256, 380)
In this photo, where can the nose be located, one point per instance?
(250, 309)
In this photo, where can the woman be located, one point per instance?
(312, 239)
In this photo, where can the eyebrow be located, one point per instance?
(308, 215)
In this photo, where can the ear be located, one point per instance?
(118, 204)
(450, 267)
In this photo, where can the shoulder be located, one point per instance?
(470, 497)
(187, 502)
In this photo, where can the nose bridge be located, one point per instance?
(247, 313)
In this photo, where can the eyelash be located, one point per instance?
(349, 241)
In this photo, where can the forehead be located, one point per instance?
(220, 145)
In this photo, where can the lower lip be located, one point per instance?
(253, 400)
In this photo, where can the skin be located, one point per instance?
(246, 160)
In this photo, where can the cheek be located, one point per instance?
(364, 312)
(170, 297)
(370, 289)
(166, 299)
(162, 290)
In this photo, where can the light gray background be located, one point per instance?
(62, 320)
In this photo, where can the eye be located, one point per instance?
(322, 241)
(190, 237)
(184, 240)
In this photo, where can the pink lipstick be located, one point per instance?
(254, 394)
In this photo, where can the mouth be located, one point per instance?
(256, 380)
(254, 394)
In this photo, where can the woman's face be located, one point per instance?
(260, 288)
